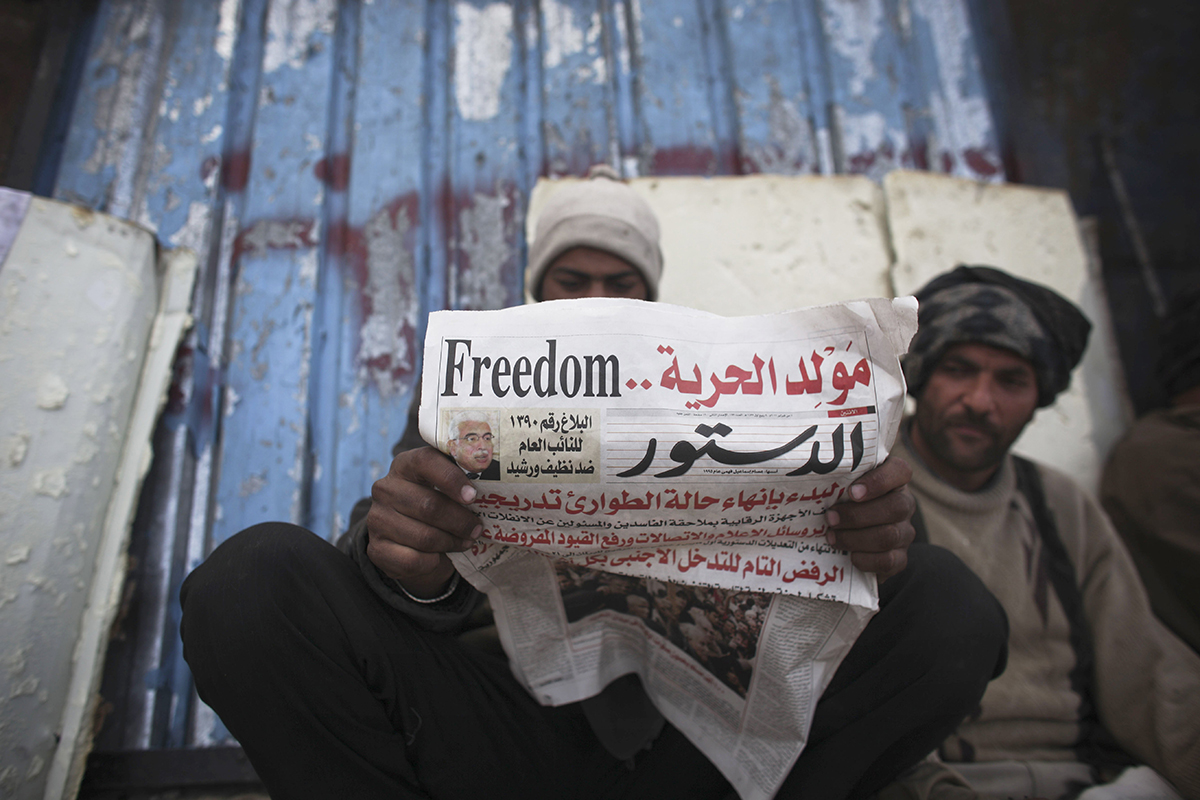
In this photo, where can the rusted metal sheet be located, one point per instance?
(342, 168)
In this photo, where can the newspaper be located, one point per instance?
(652, 482)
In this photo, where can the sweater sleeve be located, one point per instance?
(447, 615)
(1147, 679)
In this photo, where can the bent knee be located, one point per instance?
(249, 575)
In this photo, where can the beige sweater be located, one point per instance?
(1147, 680)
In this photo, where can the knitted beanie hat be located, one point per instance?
(601, 212)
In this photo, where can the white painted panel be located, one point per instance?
(79, 303)
(938, 222)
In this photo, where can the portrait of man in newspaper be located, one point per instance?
(472, 444)
(718, 629)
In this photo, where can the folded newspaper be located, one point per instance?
(652, 482)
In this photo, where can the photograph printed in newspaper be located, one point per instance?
(652, 481)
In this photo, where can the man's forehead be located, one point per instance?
(585, 256)
(987, 354)
(473, 423)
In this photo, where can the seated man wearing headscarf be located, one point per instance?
(1094, 683)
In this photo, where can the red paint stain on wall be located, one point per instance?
(334, 171)
(235, 170)
(981, 162)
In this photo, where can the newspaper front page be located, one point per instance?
(652, 482)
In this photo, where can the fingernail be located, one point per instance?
(829, 537)
(475, 534)
(858, 491)
(468, 494)
(832, 518)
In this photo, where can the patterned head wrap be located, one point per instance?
(1179, 343)
(983, 305)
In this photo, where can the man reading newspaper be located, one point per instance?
(342, 677)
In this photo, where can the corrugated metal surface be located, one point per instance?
(344, 168)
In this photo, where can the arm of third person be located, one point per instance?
(874, 519)
(418, 515)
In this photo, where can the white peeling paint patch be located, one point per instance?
(133, 47)
(904, 16)
(294, 29)
(103, 393)
(563, 37)
(226, 29)
(960, 125)
(865, 133)
(791, 140)
(488, 248)
(962, 121)
(52, 392)
(231, 400)
(15, 448)
(50, 482)
(622, 39)
(599, 65)
(482, 58)
(309, 264)
(383, 348)
(86, 452)
(278, 234)
(253, 485)
(18, 554)
(202, 104)
(212, 135)
(37, 763)
(194, 232)
(853, 29)
(350, 400)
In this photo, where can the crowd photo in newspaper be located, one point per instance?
(652, 483)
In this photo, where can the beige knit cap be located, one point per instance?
(601, 212)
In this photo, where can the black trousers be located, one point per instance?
(334, 694)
